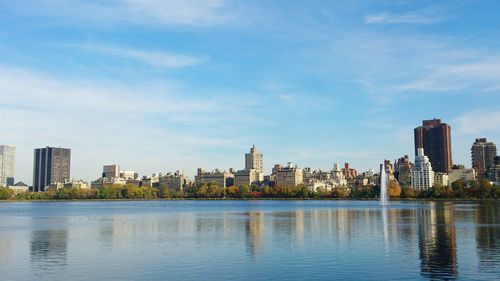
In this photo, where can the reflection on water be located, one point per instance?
(488, 236)
(437, 241)
(48, 251)
(221, 240)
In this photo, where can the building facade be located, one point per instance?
(402, 170)
(289, 175)
(435, 138)
(254, 160)
(50, 165)
(422, 175)
(461, 173)
(494, 171)
(176, 181)
(441, 178)
(221, 178)
(483, 156)
(7, 162)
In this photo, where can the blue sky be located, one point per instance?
(158, 86)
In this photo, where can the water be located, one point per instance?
(249, 240)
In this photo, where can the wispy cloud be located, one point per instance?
(152, 12)
(138, 125)
(155, 58)
(482, 75)
(479, 121)
(407, 18)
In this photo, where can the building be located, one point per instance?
(494, 171)
(151, 181)
(289, 175)
(129, 175)
(441, 178)
(461, 173)
(19, 187)
(422, 175)
(483, 154)
(254, 160)
(253, 172)
(435, 138)
(221, 178)
(7, 161)
(248, 177)
(402, 170)
(349, 173)
(50, 165)
(176, 181)
(111, 171)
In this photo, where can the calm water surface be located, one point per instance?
(249, 240)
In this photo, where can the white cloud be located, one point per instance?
(154, 58)
(149, 128)
(143, 12)
(479, 121)
(408, 18)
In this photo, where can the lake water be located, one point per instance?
(249, 240)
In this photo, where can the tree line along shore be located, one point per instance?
(468, 190)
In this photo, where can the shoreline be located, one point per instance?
(262, 199)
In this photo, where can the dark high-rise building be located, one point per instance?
(50, 165)
(483, 154)
(435, 138)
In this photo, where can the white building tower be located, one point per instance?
(422, 176)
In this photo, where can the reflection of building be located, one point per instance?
(435, 138)
(7, 159)
(488, 235)
(422, 176)
(51, 165)
(48, 252)
(483, 154)
(290, 175)
(255, 231)
(437, 241)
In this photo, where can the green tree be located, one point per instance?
(6, 193)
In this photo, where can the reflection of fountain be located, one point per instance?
(384, 198)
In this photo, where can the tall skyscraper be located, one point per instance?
(435, 138)
(50, 165)
(483, 156)
(253, 160)
(7, 160)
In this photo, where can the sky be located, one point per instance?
(158, 86)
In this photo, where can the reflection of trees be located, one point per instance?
(48, 251)
(488, 235)
(437, 241)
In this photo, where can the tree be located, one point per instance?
(394, 189)
(484, 189)
(340, 192)
(232, 191)
(6, 193)
(407, 192)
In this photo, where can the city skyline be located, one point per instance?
(319, 84)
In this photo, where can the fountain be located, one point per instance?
(384, 198)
